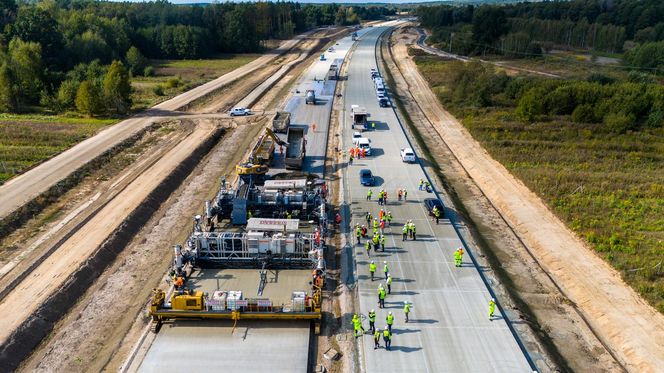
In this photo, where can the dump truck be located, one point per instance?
(296, 150)
(310, 97)
(359, 115)
(333, 73)
(281, 121)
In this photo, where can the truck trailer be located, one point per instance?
(359, 115)
(281, 121)
(296, 150)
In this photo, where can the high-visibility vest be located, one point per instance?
(389, 280)
(372, 316)
(381, 293)
(375, 223)
(382, 240)
(406, 308)
(389, 217)
(375, 239)
(372, 267)
(376, 335)
(386, 334)
(385, 269)
(390, 319)
(369, 193)
(405, 228)
(358, 232)
(366, 245)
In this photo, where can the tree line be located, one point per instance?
(48, 50)
(525, 28)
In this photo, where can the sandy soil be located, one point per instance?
(628, 326)
(90, 338)
(48, 276)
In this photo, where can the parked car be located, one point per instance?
(383, 102)
(407, 155)
(366, 177)
(356, 135)
(430, 203)
(363, 143)
(239, 111)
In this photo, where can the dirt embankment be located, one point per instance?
(578, 301)
(52, 288)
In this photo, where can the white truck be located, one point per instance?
(310, 97)
(359, 115)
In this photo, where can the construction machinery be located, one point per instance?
(296, 149)
(281, 121)
(261, 155)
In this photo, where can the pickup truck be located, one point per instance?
(407, 155)
(296, 149)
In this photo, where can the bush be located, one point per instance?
(530, 107)
(619, 123)
(173, 82)
(655, 118)
(158, 90)
(584, 114)
(148, 71)
(600, 78)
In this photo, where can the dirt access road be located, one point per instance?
(23, 188)
(50, 275)
(626, 324)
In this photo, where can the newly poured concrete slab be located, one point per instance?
(213, 346)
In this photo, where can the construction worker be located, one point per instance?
(350, 159)
(368, 218)
(389, 283)
(373, 126)
(436, 214)
(458, 257)
(389, 218)
(399, 194)
(364, 230)
(372, 321)
(375, 241)
(405, 231)
(405, 194)
(390, 320)
(372, 269)
(380, 198)
(381, 296)
(369, 195)
(381, 226)
(387, 338)
(367, 247)
(357, 326)
(381, 214)
(421, 184)
(406, 309)
(386, 269)
(358, 233)
(492, 308)
(289, 215)
(375, 224)
(382, 242)
(376, 339)
(413, 231)
(249, 214)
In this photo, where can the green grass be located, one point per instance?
(608, 188)
(177, 76)
(26, 140)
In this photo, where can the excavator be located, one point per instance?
(258, 162)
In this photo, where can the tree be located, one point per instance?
(489, 24)
(26, 64)
(66, 97)
(87, 98)
(116, 88)
(136, 61)
(8, 88)
(38, 25)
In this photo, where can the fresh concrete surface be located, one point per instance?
(211, 346)
(449, 329)
(279, 287)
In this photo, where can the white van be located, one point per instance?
(363, 143)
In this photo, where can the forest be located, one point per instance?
(79, 54)
(527, 29)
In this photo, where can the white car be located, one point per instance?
(239, 111)
(408, 155)
(356, 135)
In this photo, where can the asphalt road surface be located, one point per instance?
(450, 330)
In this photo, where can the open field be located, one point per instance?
(26, 140)
(609, 188)
(175, 76)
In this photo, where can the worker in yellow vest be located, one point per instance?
(390, 320)
(372, 269)
(387, 338)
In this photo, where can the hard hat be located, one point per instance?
(405, 302)
(384, 262)
(386, 328)
(493, 299)
(373, 310)
(390, 312)
(372, 261)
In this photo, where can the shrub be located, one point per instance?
(619, 123)
(148, 71)
(584, 114)
(655, 118)
(158, 90)
(600, 78)
(530, 107)
(173, 82)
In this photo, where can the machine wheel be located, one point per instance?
(156, 325)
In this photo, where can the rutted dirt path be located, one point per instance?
(626, 324)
